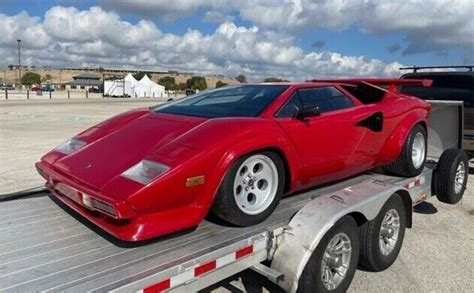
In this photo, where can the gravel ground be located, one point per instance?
(437, 254)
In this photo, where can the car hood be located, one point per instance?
(115, 151)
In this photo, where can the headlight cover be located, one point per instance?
(70, 146)
(145, 171)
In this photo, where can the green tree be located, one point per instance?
(274, 79)
(101, 69)
(30, 78)
(241, 78)
(197, 82)
(220, 83)
(139, 75)
(169, 83)
(11, 66)
(182, 86)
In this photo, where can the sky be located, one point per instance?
(291, 39)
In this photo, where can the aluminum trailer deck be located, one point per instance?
(44, 248)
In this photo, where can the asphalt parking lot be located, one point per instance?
(28, 129)
(437, 255)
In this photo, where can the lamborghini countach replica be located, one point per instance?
(234, 151)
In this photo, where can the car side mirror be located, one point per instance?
(305, 112)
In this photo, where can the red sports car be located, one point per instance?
(234, 150)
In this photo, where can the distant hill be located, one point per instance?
(57, 76)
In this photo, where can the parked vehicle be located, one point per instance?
(236, 150)
(447, 85)
(7, 87)
(36, 89)
(190, 92)
(94, 90)
(48, 88)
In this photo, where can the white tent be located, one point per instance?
(133, 88)
(117, 88)
(150, 88)
(121, 87)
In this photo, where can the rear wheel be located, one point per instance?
(381, 239)
(251, 189)
(412, 157)
(334, 261)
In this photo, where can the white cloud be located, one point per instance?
(68, 24)
(24, 27)
(427, 24)
(96, 37)
(217, 16)
(166, 9)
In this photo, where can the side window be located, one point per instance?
(291, 107)
(325, 98)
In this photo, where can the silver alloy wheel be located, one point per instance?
(460, 175)
(389, 230)
(418, 150)
(336, 261)
(255, 184)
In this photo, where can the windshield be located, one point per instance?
(232, 101)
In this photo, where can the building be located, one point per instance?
(83, 81)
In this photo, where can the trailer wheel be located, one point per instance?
(381, 239)
(334, 261)
(411, 160)
(251, 189)
(450, 176)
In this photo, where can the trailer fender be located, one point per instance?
(310, 224)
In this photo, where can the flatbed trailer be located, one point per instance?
(45, 246)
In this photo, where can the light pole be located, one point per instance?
(19, 64)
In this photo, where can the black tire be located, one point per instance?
(371, 256)
(404, 166)
(225, 205)
(444, 176)
(311, 278)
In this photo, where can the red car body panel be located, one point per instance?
(320, 149)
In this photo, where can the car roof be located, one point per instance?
(439, 73)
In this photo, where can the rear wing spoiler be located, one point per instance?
(370, 89)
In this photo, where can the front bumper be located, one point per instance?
(125, 224)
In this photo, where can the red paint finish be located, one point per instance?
(317, 150)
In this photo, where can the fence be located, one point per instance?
(8, 94)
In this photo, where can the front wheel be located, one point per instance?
(251, 189)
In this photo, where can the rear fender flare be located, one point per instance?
(394, 144)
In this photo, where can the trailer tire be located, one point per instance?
(408, 164)
(380, 239)
(450, 176)
(248, 196)
(312, 279)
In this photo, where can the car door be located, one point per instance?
(327, 144)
